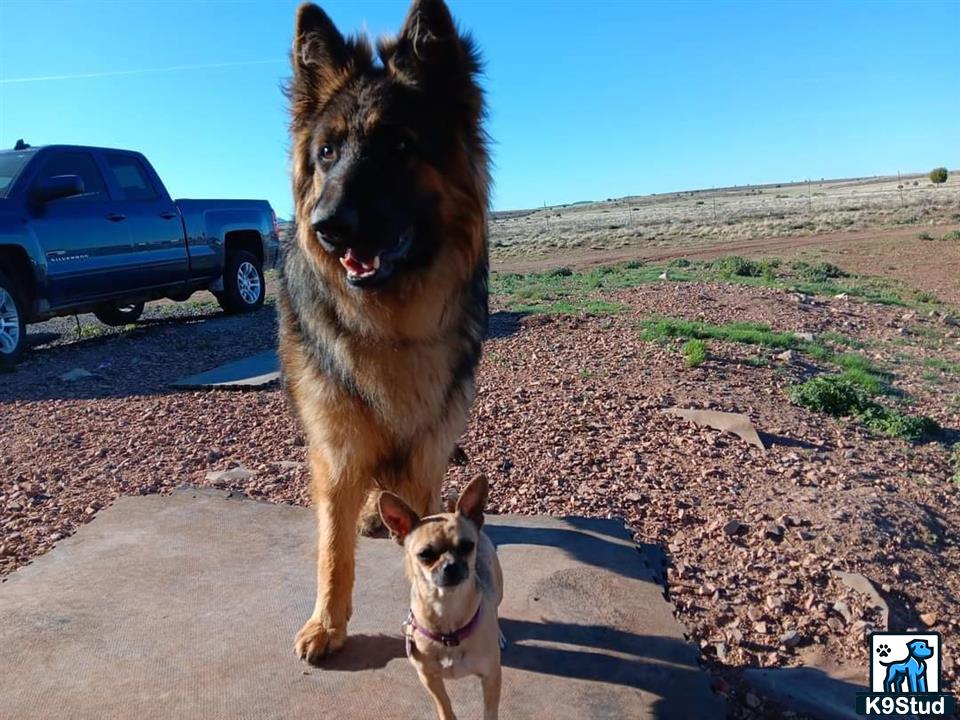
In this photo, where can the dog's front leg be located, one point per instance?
(491, 694)
(338, 501)
(438, 691)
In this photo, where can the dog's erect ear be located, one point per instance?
(397, 515)
(473, 499)
(320, 52)
(427, 41)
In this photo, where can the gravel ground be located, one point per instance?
(567, 421)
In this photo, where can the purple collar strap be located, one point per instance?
(446, 639)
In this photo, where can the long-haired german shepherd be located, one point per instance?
(384, 299)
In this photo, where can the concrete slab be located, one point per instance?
(252, 372)
(185, 606)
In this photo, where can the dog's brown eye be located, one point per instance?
(465, 547)
(428, 555)
(328, 153)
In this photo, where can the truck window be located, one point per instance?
(11, 163)
(131, 177)
(77, 163)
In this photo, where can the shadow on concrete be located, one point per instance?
(808, 690)
(596, 653)
(366, 652)
(587, 549)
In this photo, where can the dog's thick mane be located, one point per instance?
(315, 320)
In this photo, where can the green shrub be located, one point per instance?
(925, 236)
(898, 425)
(952, 235)
(633, 264)
(817, 272)
(840, 396)
(736, 266)
(938, 176)
(680, 263)
(560, 272)
(695, 351)
(829, 394)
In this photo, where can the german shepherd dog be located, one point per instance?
(383, 304)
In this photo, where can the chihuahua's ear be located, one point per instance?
(397, 515)
(473, 499)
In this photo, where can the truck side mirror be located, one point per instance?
(57, 187)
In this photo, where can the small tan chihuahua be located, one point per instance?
(456, 586)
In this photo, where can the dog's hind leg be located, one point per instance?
(370, 524)
(338, 502)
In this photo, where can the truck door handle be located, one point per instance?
(115, 217)
(168, 215)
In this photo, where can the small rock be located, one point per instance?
(774, 531)
(664, 276)
(843, 610)
(790, 639)
(76, 374)
(760, 628)
(805, 336)
(733, 528)
(785, 356)
(752, 700)
(929, 619)
(56, 537)
(222, 478)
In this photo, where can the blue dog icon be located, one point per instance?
(913, 669)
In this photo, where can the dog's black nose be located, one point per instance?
(338, 226)
(452, 573)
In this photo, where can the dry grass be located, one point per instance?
(705, 216)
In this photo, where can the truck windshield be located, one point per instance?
(11, 163)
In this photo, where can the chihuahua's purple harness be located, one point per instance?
(446, 639)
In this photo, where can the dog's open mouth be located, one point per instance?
(363, 270)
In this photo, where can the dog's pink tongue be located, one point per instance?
(355, 265)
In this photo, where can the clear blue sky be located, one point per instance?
(587, 100)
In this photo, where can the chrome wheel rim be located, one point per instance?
(9, 323)
(248, 283)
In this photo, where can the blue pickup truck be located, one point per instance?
(86, 229)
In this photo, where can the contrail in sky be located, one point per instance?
(114, 73)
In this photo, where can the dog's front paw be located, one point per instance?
(315, 640)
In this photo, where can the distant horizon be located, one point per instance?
(618, 100)
(719, 188)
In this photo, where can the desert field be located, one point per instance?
(828, 314)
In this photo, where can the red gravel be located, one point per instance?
(567, 421)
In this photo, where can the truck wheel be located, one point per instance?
(118, 314)
(244, 286)
(13, 326)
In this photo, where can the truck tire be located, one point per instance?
(13, 325)
(118, 314)
(244, 286)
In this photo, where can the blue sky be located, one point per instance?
(587, 100)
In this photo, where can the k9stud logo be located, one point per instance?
(905, 677)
